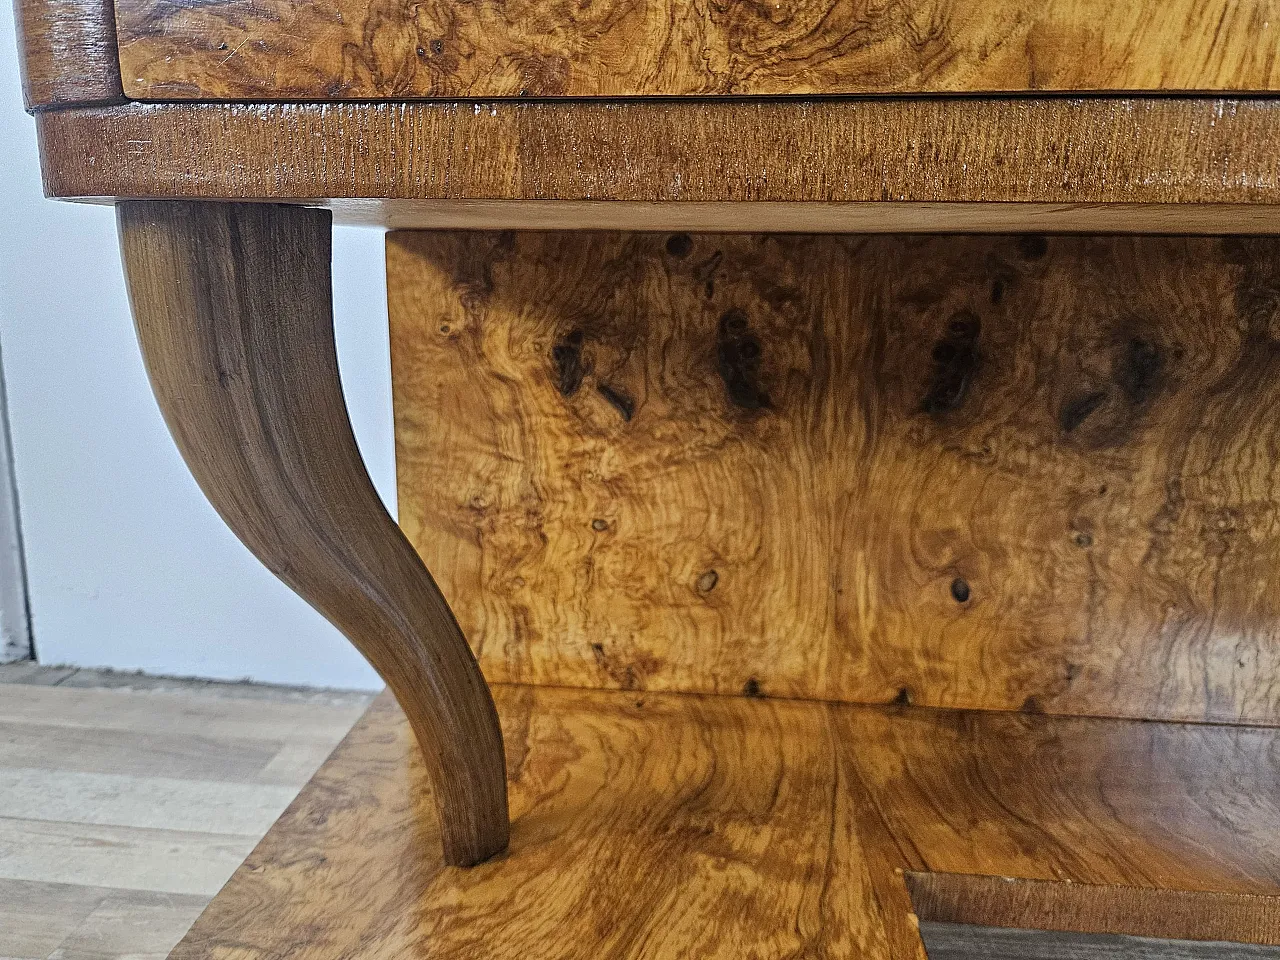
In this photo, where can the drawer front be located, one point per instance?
(355, 49)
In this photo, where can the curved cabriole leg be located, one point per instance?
(233, 307)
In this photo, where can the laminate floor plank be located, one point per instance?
(155, 803)
(36, 917)
(126, 800)
(141, 926)
(208, 689)
(156, 753)
(125, 858)
(184, 712)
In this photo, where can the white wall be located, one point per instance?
(128, 566)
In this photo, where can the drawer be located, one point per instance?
(372, 49)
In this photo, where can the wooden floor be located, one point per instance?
(126, 802)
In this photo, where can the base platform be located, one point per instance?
(675, 826)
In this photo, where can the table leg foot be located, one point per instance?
(233, 307)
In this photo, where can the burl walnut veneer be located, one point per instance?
(865, 509)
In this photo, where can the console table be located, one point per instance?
(844, 438)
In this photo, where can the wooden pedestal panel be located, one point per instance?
(990, 472)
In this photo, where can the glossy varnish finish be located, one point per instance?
(665, 827)
(67, 52)
(1137, 911)
(987, 472)
(950, 941)
(277, 49)
(233, 308)
(1100, 151)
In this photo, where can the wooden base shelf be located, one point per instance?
(671, 826)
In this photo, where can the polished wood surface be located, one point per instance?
(663, 826)
(233, 308)
(330, 49)
(1007, 472)
(951, 898)
(1053, 150)
(951, 941)
(67, 52)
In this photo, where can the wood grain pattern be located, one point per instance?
(67, 52)
(153, 752)
(659, 827)
(982, 472)
(171, 824)
(277, 49)
(685, 216)
(233, 308)
(35, 917)
(950, 941)
(274, 715)
(1102, 150)
(142, 926)
(950, 898)
(181, 862)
